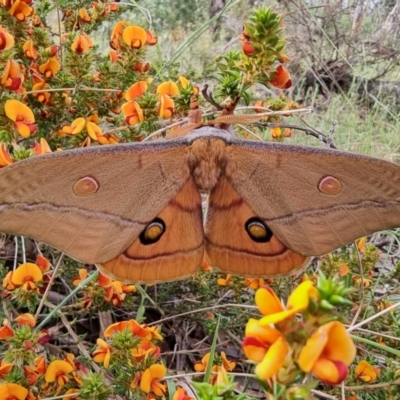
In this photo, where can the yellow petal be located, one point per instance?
(267, 301)
(273, 360)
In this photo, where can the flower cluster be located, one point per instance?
(133, 345)
(285, 347)
(26, 283)
(105, 291)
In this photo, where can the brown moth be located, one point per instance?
(135, 209)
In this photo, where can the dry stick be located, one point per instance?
(201, 310)
(53, 277)
(377, 315)
(75, 337)
(362, 288)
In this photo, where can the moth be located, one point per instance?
(135, 210)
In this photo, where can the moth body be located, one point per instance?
(135, 210)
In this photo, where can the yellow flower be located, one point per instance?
(136, 90)
(328, 353)
(133, 112)
(168, 88)
(82, 43)
(150, 380)
(269, 304)
(103, 353)
(366, 372)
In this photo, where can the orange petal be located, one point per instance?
(50, 67)
(26, 319)
(254, 349)
(155, 371)
(169, 88)
(6, 39)
(166, 109)
(150, 39)
(136, 90)
(265, 334)
(5, 158)
(330, 372)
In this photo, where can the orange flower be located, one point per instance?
(12, 391)
(84, 15)
(83, 274)
(142, 67)
(224, 281)
(26, 319)
(20, 10)
(29, 50)
(361, 244)
(57, 371)
(6, 331)
(150, 39)
(254, 283)
(282, 78)
(133, 112)
(114, 56)
(6, 39)
(344, 269)
(247, 48)
(181, 394)
(150, 377)
(12, 77)
(50, 67)
(169, 88)
(166, 108)
(266, 346)
(107, 139)
(145, 349)
(5, 368)
(27, 275)
(366, 372)
(328, 353)
(200, 366)
(93, 130)
(136, 90)
(103, 353)
(42, 96)
(39, 149)
(270, 306)
(134, 36)
(5, 158)
(7, 281)
(116, 34)
(22, 116)
(32, 372)
(276, 132)
(82, 43)
(141, 331)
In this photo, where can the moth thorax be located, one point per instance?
(207, 159)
